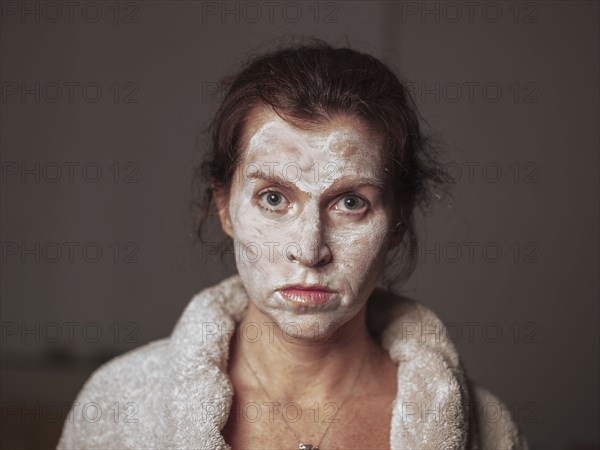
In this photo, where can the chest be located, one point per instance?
(361, 423)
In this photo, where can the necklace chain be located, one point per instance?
(301, 445)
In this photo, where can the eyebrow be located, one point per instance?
(338, 185)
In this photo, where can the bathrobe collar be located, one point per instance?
(430, 410)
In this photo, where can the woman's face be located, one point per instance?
(311, 221)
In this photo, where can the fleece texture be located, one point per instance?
(175, 392)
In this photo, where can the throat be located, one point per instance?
(304, 372)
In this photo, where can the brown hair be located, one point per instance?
(308, 84)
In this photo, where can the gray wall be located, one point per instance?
(513, 97)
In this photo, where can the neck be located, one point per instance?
(304, 370)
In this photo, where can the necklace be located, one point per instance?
(301, 445)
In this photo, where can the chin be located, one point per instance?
(318, 326)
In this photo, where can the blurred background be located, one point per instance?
(102, 108)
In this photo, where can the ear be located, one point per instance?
(396, 238)
(222, 204)
(397, 235)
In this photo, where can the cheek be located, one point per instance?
(245, 219)
(361, 255)
(259, 243)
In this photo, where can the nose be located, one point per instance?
(310, 248)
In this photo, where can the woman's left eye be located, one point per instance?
(351, 203)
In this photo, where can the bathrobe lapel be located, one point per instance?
(430, 410)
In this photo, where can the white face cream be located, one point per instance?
(310, 220)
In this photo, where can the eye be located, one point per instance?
(351, 203)
(273, 201)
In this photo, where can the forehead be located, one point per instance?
(344, 140)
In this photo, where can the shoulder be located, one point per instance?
(495, 426)
(409, 329)
(127, 371)
(116, 400)
(127, 402)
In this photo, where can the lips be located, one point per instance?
(307, 294)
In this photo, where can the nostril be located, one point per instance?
(310, 250)
(316, 254)
(292, 252)
(311, 253)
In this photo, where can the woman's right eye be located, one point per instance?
(273, 201)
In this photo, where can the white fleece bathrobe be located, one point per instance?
(175, 392)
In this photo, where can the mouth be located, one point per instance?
(309, 295)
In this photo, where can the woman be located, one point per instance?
(318, 165)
